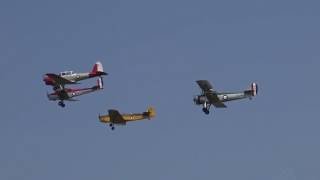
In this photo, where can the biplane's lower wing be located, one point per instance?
(63, 95)
(59, 80)
(71, 99)
(214, 100)
(115, 117)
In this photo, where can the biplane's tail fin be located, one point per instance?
(253, 90)
(99, 84)
(98, 69)
(151, 112)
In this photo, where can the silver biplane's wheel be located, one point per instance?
(205, 110)
(112, 128)
(60, 103)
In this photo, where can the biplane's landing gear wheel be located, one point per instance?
(61, 104)
(112, 126)
(205, 110)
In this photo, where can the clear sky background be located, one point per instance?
(154, 52)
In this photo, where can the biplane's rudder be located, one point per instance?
(253, 90)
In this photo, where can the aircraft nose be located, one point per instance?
(195, 98)
(45, 77)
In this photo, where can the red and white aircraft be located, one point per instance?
(58, 81)
(67, 94)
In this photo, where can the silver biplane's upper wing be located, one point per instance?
(115, 117)
(59, 80)
(205, 85)
(211, 95)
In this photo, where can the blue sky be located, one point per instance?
(154, 51)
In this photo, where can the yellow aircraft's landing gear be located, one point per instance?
(60, 103)
(112, 126)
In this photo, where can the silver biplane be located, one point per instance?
(210, 97)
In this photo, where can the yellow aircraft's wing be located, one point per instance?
(116, 117)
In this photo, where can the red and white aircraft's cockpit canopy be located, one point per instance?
(66, 73)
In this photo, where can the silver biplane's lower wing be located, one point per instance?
(214, 100)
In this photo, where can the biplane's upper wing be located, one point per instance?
(205, 85)
(208, 91)
(59, 80)
(214, 100)
(115, 117)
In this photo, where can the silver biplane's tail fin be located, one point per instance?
(98, 69)
(253, 90)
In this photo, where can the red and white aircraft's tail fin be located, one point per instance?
(98, 69)
(254, 89)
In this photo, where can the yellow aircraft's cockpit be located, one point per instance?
(66, 73)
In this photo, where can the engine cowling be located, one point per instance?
(199, 99)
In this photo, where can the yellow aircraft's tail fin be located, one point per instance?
(151, 112)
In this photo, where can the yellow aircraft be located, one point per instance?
(115, 117)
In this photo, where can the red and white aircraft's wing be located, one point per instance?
(59, 80)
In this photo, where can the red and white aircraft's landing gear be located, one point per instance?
(60, 103)
(112, 126)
